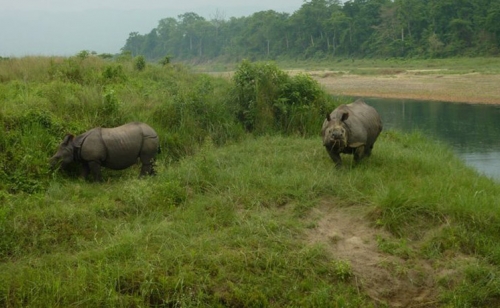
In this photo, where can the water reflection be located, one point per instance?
(472, 130)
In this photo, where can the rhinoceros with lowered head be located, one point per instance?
(351, 129)
(114, 148)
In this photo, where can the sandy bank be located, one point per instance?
(468, 88)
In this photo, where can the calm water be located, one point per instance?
(472, 130)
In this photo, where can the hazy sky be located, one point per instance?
(65, 27)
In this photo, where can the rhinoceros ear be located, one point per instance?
(345, 116)
(67, 139)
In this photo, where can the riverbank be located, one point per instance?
(468, 80)
(473, 88)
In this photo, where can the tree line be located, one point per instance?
(329, 28)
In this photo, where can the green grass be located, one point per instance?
(225, 228)
(391, 66)
(488, 65)
(213, 230)
(226, 220)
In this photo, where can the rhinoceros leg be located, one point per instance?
(85, 170)
(147, 156)
(335, 157)
(147, 165)
(95, 169)
(368, 150)
(359, 153)
(147, 169)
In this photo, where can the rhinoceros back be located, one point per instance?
(126, 143)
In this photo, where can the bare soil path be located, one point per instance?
(390, 280)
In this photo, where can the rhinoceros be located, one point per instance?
(114, 148)
(351, 129)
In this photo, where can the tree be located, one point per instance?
(326, 28)
(310, 23)
(264, 33)
(412, 16)
(134, 43)
(336, 27)
(492, 23)
(168, 35)
(189, 24)
(388, 38)
(149, 45)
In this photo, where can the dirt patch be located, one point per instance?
(386, 278)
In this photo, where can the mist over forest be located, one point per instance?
(321, 29)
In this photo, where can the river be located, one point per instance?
(473, 131)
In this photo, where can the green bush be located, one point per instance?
(268, 100)
(140, 63)
(110, 110)
(114, 73)
(165, 61)
(25, 143)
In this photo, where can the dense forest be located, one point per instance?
(330, 28)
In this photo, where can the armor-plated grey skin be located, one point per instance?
(115, 148)
(351, 129)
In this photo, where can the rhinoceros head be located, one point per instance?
(64, 154)
(335, 133)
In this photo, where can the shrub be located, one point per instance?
(266, 100)
(140, 63)
(24, 149)
(110, 115)
(113, 73)
(165, 61)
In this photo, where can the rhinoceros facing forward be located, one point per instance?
(115, 148)
(351, 129)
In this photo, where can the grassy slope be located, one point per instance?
(225, 227)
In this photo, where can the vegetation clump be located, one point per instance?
(269, 100)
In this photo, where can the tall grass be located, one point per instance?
(45, 98)
(72, 95)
